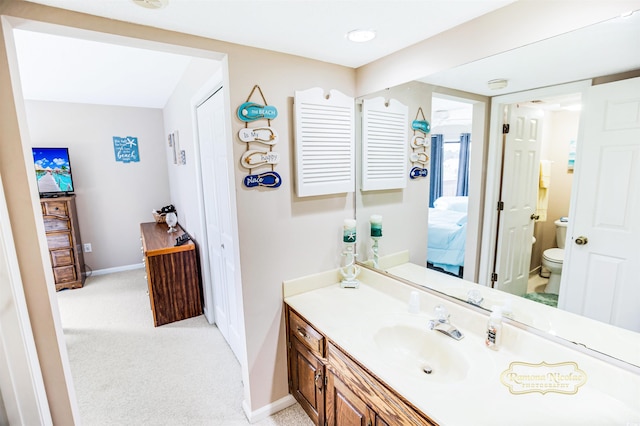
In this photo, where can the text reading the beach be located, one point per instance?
(126, 149)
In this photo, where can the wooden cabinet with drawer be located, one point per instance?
(63, 240)
(173, 276)
(307, 367)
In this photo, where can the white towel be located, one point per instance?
(543, 190)
(545, 174)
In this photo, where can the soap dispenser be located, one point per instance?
(494, 328)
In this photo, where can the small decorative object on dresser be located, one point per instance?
(64, 242)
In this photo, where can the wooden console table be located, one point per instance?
(172, 274)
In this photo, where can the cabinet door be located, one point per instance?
(307, 380)
(345, 408)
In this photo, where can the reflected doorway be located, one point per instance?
(451, 128)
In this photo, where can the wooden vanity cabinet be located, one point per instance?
(63, 240)
(306, 367)
(334, 389)
(345, 408)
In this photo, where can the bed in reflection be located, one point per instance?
(447, 234)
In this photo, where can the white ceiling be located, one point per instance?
(310, 28)
(64, 69)
(70, 70)
(601, 49)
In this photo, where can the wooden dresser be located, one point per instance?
(63, 240)
(172, 274)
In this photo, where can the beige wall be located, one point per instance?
(112, 198)
(281, 236)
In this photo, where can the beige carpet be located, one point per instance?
(127, 372)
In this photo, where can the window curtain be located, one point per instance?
(463, 165)
(437, 153)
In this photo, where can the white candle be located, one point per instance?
(349, 234)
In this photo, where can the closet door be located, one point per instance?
(220, 213)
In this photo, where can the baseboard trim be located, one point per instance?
(267, 410)
(117, 269)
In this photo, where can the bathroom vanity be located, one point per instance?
(359, 357)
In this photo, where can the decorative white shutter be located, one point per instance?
(325, 142)
(384, 144)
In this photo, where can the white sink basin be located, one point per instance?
(416, 349)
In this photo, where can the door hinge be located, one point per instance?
(505, 129)
(325, 381)
(500, 205)
(494, 277)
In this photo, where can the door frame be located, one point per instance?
(476, 181)
(494, 156)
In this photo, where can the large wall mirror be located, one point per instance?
(529, 254)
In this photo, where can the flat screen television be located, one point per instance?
(53, 171)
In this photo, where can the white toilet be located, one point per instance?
(552, 258)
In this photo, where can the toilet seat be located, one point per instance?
(554, 255)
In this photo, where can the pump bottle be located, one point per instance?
(494, 329)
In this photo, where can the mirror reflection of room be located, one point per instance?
(451, 122)
(557, 153)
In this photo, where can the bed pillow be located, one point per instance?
(458, 204)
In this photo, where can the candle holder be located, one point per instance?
(376, 234)
(349, 270)
(374, 249)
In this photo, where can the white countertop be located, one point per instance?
(466, 389)
(615, 341)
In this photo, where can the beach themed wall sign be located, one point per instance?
(126, 149)
(260, 138)
(420, 142)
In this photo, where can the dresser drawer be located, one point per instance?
(61, 257)
(58, 208)
(55, 223)
(306, 334)
(64, 274)
(56, 240)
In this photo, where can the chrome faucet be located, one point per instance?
(441, 323)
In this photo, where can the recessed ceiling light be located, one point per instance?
(360, 36)
(499, 83)
(151, 4)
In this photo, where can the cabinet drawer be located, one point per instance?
(306, 334)
(61, 257)
(55, 223)
(58, 208)
(59, 240)
(64, 274)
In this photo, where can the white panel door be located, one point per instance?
(219, 211)
(603, 278)
(521, 170)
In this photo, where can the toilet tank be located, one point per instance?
(561, 233)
